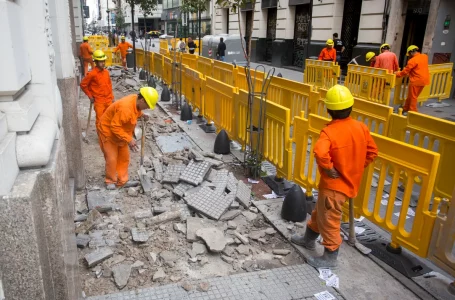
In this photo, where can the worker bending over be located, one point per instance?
(116, 133)
(328, 53)
(371, 57)
(386, 60)
(123, 47)
(97, 85)
(419, 76)
(86, 53)
(344, 148)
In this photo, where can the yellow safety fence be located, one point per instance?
(371, 84)
(158, 65)
(440, 85)
(205, 66)
(219, 105)
(113, 59)
(321, 74)
(433, 134)
(242, 115)
(164, 48)
(257, 79)
(190, 60)
(167, 70)
(139, 58)
(224, 72)
(192, 89)
(98, 42)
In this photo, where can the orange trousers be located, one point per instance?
(100, 108)
(326, 217)
(86, 62)
(411, 101)
(124, 62)
(117, 157)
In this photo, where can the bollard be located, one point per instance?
(186, 113)
(151, 82)
(294, 205)
(165, 95)
(222, 144)
(142, 75)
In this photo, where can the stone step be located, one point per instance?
(3, 126)
(21, 113)
(8, 163)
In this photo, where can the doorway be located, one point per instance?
(271, 33)
(302, 19)
(350, 28)
(248, 24)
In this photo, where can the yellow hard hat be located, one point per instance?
(369, 56)
(329, 42)
(411, 48)
(150, 95)
(85, 38)
(384, 45)
(99, 55)
(338, 97)
(122, 37)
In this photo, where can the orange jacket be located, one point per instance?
(119, 120)
(123, 47)
(347, 146)
(387, 60)
(328, 55)
(85, 51)
(417, 68)
(97, 84)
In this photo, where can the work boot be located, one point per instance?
(308, 240)
(327, 260)
(110, 186)
(130, 183)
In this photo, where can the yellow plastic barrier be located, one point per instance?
(113, 59)
(193, 89)
(149, 61)
(241, 117)
(257, 79)
(219, 105)
(190, 60)
(139, 58)
(440, 85)
(291, 94)
(322, 74)
(158, 65)
(205, 65)
(224, 72)
(429, 133)
(167, 70)
(164, 47)
(397, 157)
(371, 84)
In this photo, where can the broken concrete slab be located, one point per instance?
(94, 218)
(195, 172)
(243, 194)
(281, 251)
(256, 235)
(253, 209)
(203, 286)
(212, 175)
(82, 240)
(220, 182)
(207, 202)
(199, 248)
(243, 249)
(227, 259)
(213, 238)
(234, 204)
(179, 227)
(229, 251)
(193, 190)
(142, 214)
(181, 188)
(172, 174)
(232, 183)
(121, 273)
(137, 264)
(194, 224)
(231, 225)
(133, 192)
(197, 156)
(101, 200)
(173, 142)
(242, 238)
(230, 215)
(158, 167)
(270, 231)
(249, 215)
(169, 257)
(139, 235)
(98, 256)
(80, 218)
(164, 217)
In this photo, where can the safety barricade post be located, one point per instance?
(224, 72)
(167, 70)
(192, 89)
(139, 58)
(321, 74)
(158, 60)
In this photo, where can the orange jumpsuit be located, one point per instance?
(328, 55)
(86, 54)
(347, 146)
(123, 47)
(97, 84)
(116, 131)
(419, 77)
(387, 60)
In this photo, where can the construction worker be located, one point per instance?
(419, 76)
(85, 52)
(116, 134)
(344, 148)
(386, 60)
(370, 57)
(123, 47)
(339, 46)
(328, 53)
(97, 85)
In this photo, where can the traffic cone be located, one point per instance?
(222, 145)
(294, 205)
(165, 95)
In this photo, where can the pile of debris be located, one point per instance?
(123, 80)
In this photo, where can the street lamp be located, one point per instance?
(108, 22)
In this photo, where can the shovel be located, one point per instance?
(145, 180)
(84, 133)
(352, 241)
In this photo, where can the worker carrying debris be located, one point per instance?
(344, 148)
(97, 85)
(123, 47)
(419, 76)
(371, 58)
(328, 53)
(386, 60)
(86, 52)
(115, 130)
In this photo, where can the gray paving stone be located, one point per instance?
(82, 240)
(243, 194)
(207, 202)
(221, 182)
(95, 257)
(232, 183)
(139, 235)
(194, 224)
(158, 169)
(172, 174)
(212, 175)
(181, 188)
(195, 172)
(102, 201)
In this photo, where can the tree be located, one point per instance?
(235, 6)
(120, 20)
(196, 6)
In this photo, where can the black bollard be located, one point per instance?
(294, 205)
(165, 95)
(186, 113)
(222, 145)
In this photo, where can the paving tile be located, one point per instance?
(195, 172)
(209, 203)
(172, 174)
(221, 182)
(158, 169)
(139, 235)
(232, 183)
(243, 194)
(181, 188)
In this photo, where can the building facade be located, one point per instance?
(184, 24)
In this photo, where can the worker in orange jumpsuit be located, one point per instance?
(116, 134)
(97, 85)
(344, 148)
(370, 57)
(123, 47)
(386, 60)
(328, 53)
(419, 76)
(85, 52)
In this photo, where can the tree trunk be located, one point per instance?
(250, 32)
(134, 35)
(199, 30)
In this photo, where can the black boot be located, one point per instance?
(327, 260)
(308, 240)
